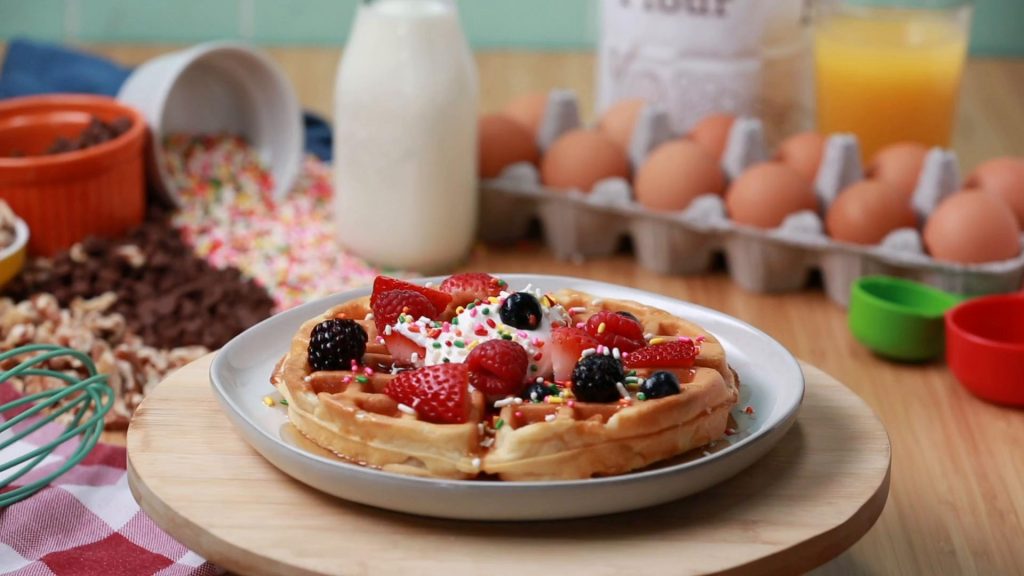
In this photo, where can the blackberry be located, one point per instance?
(594, 378)
(521, 310)
(335, 343)
(537, 392)
(659, 385)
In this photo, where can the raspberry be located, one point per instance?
(471, 286)
(498, 367)
(389, 305)
(616, 330)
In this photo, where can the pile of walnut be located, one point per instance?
(89, 325)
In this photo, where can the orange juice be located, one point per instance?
(889, 75)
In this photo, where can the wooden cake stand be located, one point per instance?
(808, 500)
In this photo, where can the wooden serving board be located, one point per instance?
(804, 503)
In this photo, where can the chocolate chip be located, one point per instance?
(174, 298)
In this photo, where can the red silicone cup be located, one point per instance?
(985, 347)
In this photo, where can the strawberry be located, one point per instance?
(390, 304)
(471, 286)
(383, 284)
(567, 345)
(402, 349)
(674, 354)
(438, 393)
(616, 330)
(498, 367)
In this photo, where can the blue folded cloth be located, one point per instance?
(32, 67)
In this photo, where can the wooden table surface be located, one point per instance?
(957, 501)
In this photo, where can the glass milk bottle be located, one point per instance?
(405, 106)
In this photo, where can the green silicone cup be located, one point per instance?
(899, 319)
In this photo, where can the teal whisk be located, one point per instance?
(88, 400)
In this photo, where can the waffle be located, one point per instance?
(348, 413)
(561, 441)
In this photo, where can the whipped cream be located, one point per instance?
(477, 323)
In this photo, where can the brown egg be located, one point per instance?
(528, 110)
(865, 212)
(803, 152)
(713, 133)
(618, 122)
(503, 141)
(766, 193)
(581, 158)
(972, 228)
(675, 173)
(900, 165)
(1004, 176)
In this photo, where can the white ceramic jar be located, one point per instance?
(405, 110)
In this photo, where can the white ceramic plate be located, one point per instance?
(771, 382)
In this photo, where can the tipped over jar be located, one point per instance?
(405, 107)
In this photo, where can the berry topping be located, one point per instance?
(521, 310)
(659, 385)
(615, 330)
(537, 392)
(335, 343)
(497, 367)
(383, 284)
(402, 349)
(567, 345)
(674, 354)
(438, 394)
(628, 315)
(595, 378)
(471, 286)
(389, 305)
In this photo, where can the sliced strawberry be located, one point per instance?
(383, 284)
(402, 349)
(470, 286)
(391, 304)
(674, 354)
(567, 345)
(498, 367)
(616, 330)
(438, 394)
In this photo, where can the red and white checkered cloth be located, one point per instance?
(86, 523)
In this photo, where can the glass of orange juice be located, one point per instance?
(890, 71)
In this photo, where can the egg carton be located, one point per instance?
(579, 226)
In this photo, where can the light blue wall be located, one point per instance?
(530, 24)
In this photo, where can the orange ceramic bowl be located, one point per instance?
(68, 196)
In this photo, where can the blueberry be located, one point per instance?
(521, 310)
(659, 385)
(537, 392)
(628, 315)
(594, 378)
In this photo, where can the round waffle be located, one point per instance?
(348, 412)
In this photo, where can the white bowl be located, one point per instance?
(219, 87)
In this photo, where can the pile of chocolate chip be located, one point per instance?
(168, 296)
(95, 133)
